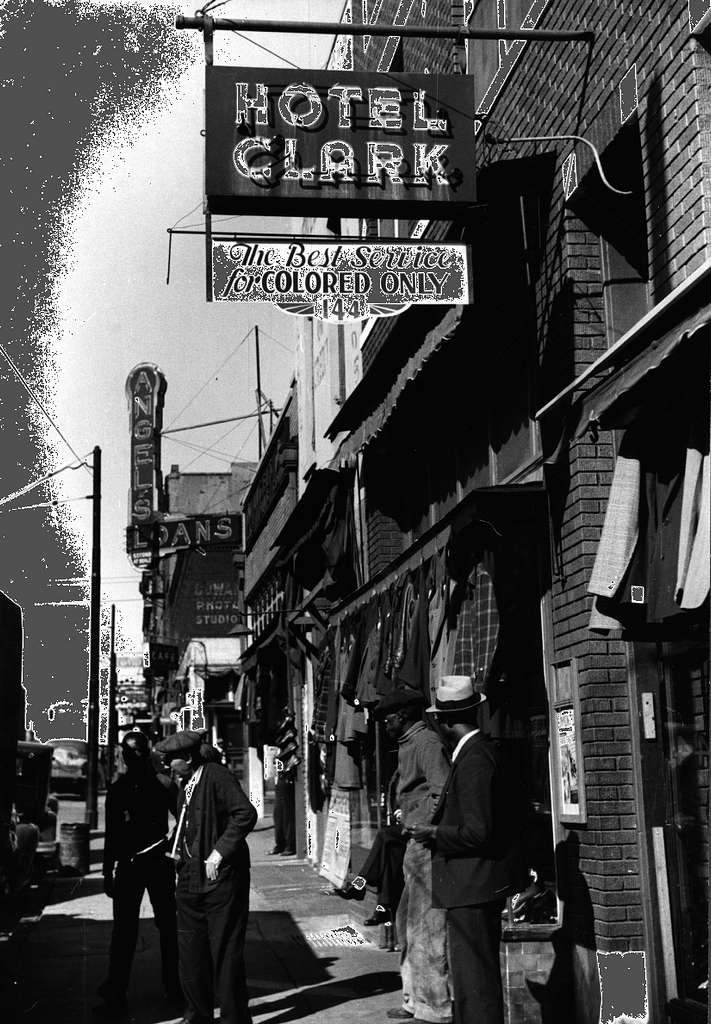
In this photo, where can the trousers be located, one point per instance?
(155, 873)
(382, 867)
(284, 814)
(474, 935)
(211, 932)
(421, 930)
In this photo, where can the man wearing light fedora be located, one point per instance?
(476, 861)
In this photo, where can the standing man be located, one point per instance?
(214, 817)
(476, 862)
(137, 808)
(422, 770)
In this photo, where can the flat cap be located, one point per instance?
(180, 742)
(398, 698)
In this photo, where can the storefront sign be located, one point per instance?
(337, 139)
(208, 601)
(145, 392)
(204, 532)
(164, 657)
(341, 281)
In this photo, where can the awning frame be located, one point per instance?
(617, 351)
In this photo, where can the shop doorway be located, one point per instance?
(673, 701)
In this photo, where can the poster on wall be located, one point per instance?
(337, 841)
(567, 747)
(568, 761)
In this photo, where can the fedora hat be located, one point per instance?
(398, 698)
(456, 693)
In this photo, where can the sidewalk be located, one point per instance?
(300, 967)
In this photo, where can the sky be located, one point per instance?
(104, 155)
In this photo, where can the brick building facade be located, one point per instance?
(575, 277)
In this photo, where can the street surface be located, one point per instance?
(298, 967)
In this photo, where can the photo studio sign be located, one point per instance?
(341, 281)
(349, 144)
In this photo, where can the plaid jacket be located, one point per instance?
(477, 627)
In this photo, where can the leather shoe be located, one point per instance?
(380, 915)
(400, 1014)
(287, 853)
(275, 850)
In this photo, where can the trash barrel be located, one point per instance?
(74, 847)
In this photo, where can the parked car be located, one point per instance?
(69, 763)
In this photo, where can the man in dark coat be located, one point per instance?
(476, 861)
(214, 817)
(137, 807)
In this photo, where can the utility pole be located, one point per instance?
(259, 392)
(112, 730)
(92, 735)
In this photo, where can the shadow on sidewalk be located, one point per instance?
(50, 972)
(298, 1005)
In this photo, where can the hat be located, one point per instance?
(180, 742)
(397, 699)
(456, 693)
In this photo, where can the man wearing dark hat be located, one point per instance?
(476, 861)
(214, 817)
(422, 771)
(137, 807)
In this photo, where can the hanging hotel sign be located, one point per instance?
(341, 281)
(145, 393)
(205, 532)
(324, 141)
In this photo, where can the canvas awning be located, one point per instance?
(608, 404)
(641, 351)
(369, 407)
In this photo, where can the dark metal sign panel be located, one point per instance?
(341, 281)
(205, 532)
(145, 394)
(313, 141)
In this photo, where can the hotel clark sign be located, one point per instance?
(340, 281)
(333, 142)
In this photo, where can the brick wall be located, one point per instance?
(566, 88)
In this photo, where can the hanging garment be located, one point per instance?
(692, 582)
(366, 692)
(647, 588)
(474, 603)
(323, 684)
(415, 673)
(352, 658)
(438, 626)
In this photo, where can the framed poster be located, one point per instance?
(569, 773)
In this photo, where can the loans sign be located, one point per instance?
(331, 139)
(341, 281)
(200, 531)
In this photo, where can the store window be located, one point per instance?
(686, 742)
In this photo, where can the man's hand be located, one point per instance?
(212, 865)
(109, 885)
(424, 834)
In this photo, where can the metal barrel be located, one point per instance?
(74, 846)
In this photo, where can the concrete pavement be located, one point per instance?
(308, 957)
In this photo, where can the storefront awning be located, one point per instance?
(607, 404)
(305, 516)
(369, 407)
(641, 351)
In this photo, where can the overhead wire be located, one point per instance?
(40, 405)
(42, 480)
(266, 49)
(209, 380)
(46, 504)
